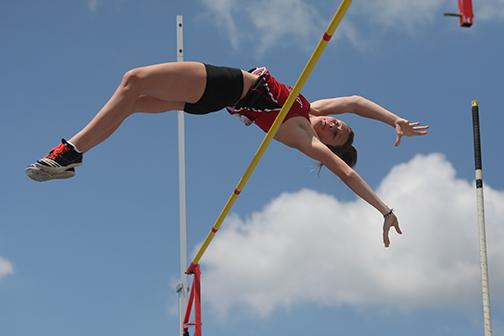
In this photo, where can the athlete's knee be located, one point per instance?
(132, 81)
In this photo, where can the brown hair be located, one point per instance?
(347, 152)
(349, 155)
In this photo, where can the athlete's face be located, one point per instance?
(332, 131)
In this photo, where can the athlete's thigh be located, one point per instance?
(177, 81)
(153, 105)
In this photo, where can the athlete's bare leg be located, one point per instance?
(155, 88)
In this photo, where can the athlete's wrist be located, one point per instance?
(388, 213)
(385, 210)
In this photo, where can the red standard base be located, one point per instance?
(194, 297)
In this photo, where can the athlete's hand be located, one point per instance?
(405, 128)
(390, 221)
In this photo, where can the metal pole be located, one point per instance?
(182, 287)
(485, 289)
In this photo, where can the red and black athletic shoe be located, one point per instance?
(60, 163)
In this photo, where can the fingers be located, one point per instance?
(410, 129)
(397, 140)
(406, 128)
(386, 230)
(386, 239)
(397, 228)
(399, 134)
(420, 130)
(423, 127)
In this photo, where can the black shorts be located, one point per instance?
(224, 87)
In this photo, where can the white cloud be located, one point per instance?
(5, 268)
(413, 15)
(92, 5)
(223, 16)
(264, 24)
(275, 24)
(270, 21)
(489, 10)
(307, 247)
(402, 13)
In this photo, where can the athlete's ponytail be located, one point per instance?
(349, 155)
(347, 152)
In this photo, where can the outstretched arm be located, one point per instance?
(354, 181)
(303, 138)
(366, 108)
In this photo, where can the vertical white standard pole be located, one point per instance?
(182, 288)
(485, 290)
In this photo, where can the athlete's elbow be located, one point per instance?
(347, 174)
(357, 102)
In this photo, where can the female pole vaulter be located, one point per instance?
(256, 97)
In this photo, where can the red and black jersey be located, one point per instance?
(265, 99)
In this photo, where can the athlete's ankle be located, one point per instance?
(73, 146)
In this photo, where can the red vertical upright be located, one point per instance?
(194, 297)
(466, 13)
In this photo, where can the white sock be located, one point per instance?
(74, 147)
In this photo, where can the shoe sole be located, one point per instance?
(41, 173)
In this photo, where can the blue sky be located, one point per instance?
(98, 254)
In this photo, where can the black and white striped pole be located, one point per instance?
(487, 321)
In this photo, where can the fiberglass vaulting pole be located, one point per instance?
(485, 289)
(182, 287)
(319, 49)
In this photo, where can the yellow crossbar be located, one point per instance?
(319, 49)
